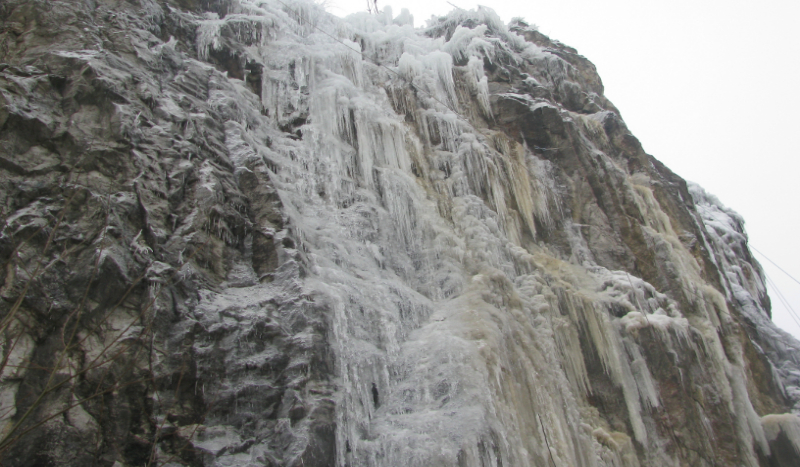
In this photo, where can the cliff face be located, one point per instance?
(249, 233)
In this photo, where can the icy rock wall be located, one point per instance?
(314, 241)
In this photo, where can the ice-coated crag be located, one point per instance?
(249, 233)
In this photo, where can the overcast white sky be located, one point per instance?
(708, 87)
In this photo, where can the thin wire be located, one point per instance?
(545, 440)
(783, 300)
(782, 297)
(773, 262)
(794, 345)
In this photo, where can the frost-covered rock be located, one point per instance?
(246, 232)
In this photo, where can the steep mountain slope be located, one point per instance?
(246, 232)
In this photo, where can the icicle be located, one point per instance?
(788, 424)
(441, 63)
(208, 35)
(409, 67)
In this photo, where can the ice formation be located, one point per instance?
(481, 309)
(460, 332)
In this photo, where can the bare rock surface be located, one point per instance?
(245, 232)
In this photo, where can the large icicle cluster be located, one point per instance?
(504, 277)
(743, 283)
(458, 337)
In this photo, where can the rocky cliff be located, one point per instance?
(246, 232)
